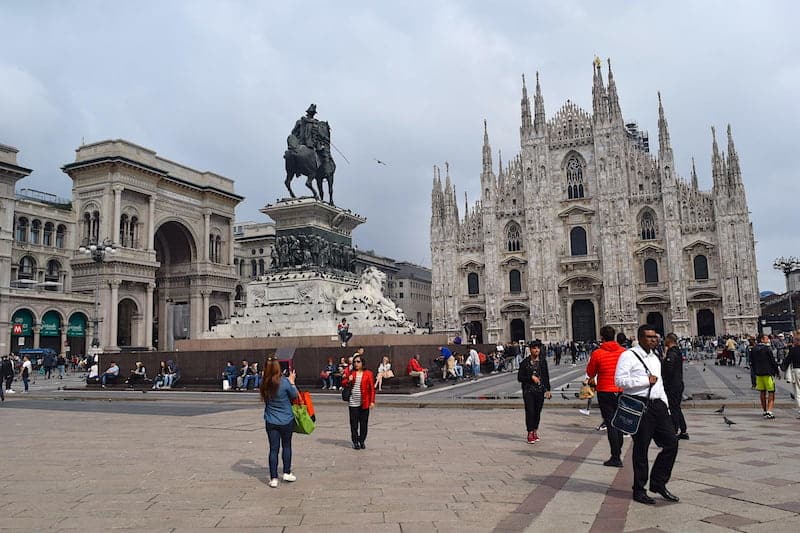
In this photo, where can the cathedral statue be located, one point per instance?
(309, 154)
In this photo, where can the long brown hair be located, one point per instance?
(272, 379)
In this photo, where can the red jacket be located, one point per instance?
(603, 364)
(414, 366)
(367, 386)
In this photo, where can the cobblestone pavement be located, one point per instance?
(164, 465)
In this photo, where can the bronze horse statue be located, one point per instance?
(304, 161)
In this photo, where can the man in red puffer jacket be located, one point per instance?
(601, 368)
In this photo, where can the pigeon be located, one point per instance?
(791, 395)
(566, 386)
(704, 369)
(738, 376)
(721, 409)
(379, 162)
(728, 421)
(708, 396)
(564, 396)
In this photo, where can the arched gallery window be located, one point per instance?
(22, 229)
(473, 287)
(61, 232)
(47, 236)
(36, 231)
(650, 271)
(577, 241)
(26, 267)
(648, 223)
(574, 179)
(514, 282)
(253, 268)
(513, 238)
(700, 267)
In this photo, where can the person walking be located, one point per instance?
(25, 372)
(600, 370)
(672, 370)
(362, 399)
(6, 375)
(764, 367)
(638, 374)
(277, 392)
(535, 380)
(791, 365)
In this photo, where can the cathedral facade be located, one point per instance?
(585, 227)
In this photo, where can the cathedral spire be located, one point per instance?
(716, 160)
(664, 145)
(694, 176)
(525, 128)
(613, 99)
(487, 151)
(599, 96)
(734, 171)
(538, 108)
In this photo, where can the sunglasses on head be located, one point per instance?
(357, 361)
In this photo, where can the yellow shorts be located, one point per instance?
(765, 383)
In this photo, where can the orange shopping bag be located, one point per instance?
(304, 398)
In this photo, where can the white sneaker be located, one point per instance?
(289, 477)
(10, 391)
(273, 483)
(584, 412)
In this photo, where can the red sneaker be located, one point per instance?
(535, 437)
(531, 437)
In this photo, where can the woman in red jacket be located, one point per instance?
(362, 399)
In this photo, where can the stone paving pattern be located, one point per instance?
(94, 465)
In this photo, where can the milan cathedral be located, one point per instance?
(586, 227)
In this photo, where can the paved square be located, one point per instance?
(168, 465)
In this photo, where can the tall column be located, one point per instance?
(231, 242)
(36, 335)
(113, 314)
(206, 235)
(205, 297)
(151, 222)
(117, 213)
(63, 340)
(231, 303)
(196, 314)
(148, 316)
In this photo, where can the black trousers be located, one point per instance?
(656, 425)
(359, 418)
(675, 397)
(534, 401)
(608, 406)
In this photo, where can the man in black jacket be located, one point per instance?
(672, 374)
(765, 367)
(6, 373)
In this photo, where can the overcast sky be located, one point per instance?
(218, 86)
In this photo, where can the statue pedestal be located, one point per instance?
(307, 216)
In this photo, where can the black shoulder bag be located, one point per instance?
(630, 410)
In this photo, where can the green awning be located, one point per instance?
(76, 326)
(51, 325)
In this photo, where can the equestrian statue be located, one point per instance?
(309, 154)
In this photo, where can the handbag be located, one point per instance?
(586, 392)
(630, 410)
(302, 420)
(388, 374)
(324, 374)
(304, 398)
(628, 415)
(347, 392)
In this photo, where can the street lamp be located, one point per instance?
(787, 265)
(98, 252)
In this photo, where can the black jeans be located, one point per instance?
(675, 397)
(608, 406)
(359, 418)
(656, 425)
(534, 401)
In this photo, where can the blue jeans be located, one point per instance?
(248, 380)
(279, 437)
(25, 382)
(476, 370)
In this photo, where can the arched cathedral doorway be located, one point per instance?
(583, 321)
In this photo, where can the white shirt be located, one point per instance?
(632, 377)
(473, 358)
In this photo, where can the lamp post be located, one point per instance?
(787, 265)
(98, 252)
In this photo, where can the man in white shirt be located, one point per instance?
(639, 374)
